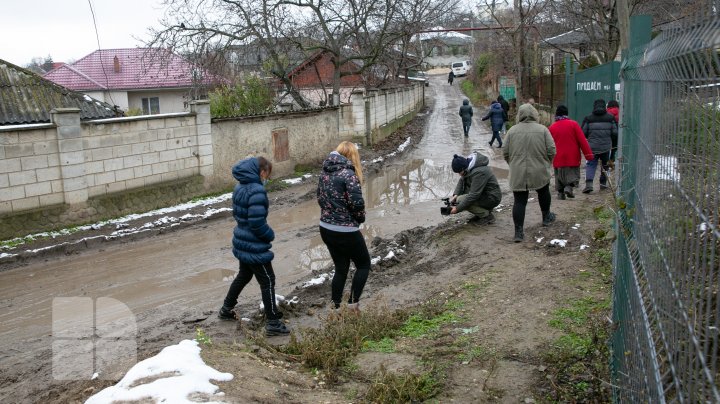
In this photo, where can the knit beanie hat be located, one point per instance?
(561, 110)
(460, 163)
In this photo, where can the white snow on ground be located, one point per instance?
(297, 180)
(558, 242)
(280, 299)
(400, 149)
(584, 246)
(389, 255)
(375, 260)
(316, 281)
(664, 168)
(540, 239)
(5, 255)
(188, 374)
(576, 226)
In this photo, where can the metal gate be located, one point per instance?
(586, 86)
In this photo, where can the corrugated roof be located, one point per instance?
(136, 68)
(26, 97)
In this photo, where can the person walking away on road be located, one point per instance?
(600, 129)
(251, 243)
(342, 210)
(506, 107)
(569, 141)
(451, 77)
(529, 151)
(613, 107)
(466, 113)
(497, 118)
(477, 191)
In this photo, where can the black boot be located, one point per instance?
(227, 314)
(588, 187)
(561, 195)
(519, 234)
(276, 327)
(548, 217)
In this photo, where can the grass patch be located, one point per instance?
(420, 326)
(389, 387)
(330, 347)
(385, 345)
(276, 185)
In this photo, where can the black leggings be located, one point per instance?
(346, 247)
(266, 278)
(521, 198)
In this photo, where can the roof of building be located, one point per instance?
(446, 36)
(577, 36)
(125, 69)
(25, 97)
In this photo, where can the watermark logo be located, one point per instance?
(92, 338)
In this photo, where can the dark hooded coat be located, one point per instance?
(466, 112)
(600, 129)
(479, 184)
(496, 115)
(252, 235)
(339, 193)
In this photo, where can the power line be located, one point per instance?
(102, 66)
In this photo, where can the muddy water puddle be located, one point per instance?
(193, 268)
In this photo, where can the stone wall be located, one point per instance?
(67, 173)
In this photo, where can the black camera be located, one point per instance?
(445, 210)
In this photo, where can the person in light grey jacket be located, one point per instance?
(529, 151)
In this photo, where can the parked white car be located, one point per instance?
(460, 68)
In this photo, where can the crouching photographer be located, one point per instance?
(477, 191)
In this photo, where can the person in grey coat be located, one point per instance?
(600, 129)
(477, 191)
(529, 151)
(466, 113)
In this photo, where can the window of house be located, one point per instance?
(151, 105)
(583, 50)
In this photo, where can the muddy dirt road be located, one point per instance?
(176, 281)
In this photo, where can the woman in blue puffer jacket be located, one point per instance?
(251, 241)
(342, 208)
(497, 117)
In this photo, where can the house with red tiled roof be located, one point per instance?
(151, 80)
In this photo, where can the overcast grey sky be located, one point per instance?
(64, 29)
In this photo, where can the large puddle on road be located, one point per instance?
(193, 268)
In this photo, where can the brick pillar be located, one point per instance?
(72, 156)
(201, 109)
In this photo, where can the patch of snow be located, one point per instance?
(316, 281)
(389, 255)
(278, 299)
(6, 255)
(95, 376)
(293, 181)
(405, 144)
(584, 246)
(540, 239)
(375, 260)
(664, 168)
(189, 375)
(558, 242)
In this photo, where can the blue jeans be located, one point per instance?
(591, 167)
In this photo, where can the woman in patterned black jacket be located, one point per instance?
(342, 209)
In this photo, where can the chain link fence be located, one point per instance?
(666, 312)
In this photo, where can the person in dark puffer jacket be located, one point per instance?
(600, 129)
(477, 191)
(251, 243)
(466, 114)
(497, 116)
(342, 210)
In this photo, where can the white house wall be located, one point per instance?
(170, 100)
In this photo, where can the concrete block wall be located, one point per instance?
(310, 134)
(29, 169)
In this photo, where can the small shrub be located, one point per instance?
(390, 387)
(250, 96)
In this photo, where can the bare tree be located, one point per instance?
(515, 25)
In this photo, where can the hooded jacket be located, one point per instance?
(504, 104)
(479, 184)
(600, 129)
(496, 115)
(252, 235)
(339, 193)
(529, 150)
(569, 140)
(466, 112)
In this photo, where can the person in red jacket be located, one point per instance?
(569, 141)
(613, 108)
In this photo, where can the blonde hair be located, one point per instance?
(350, 151)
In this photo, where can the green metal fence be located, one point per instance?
(666, 312)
